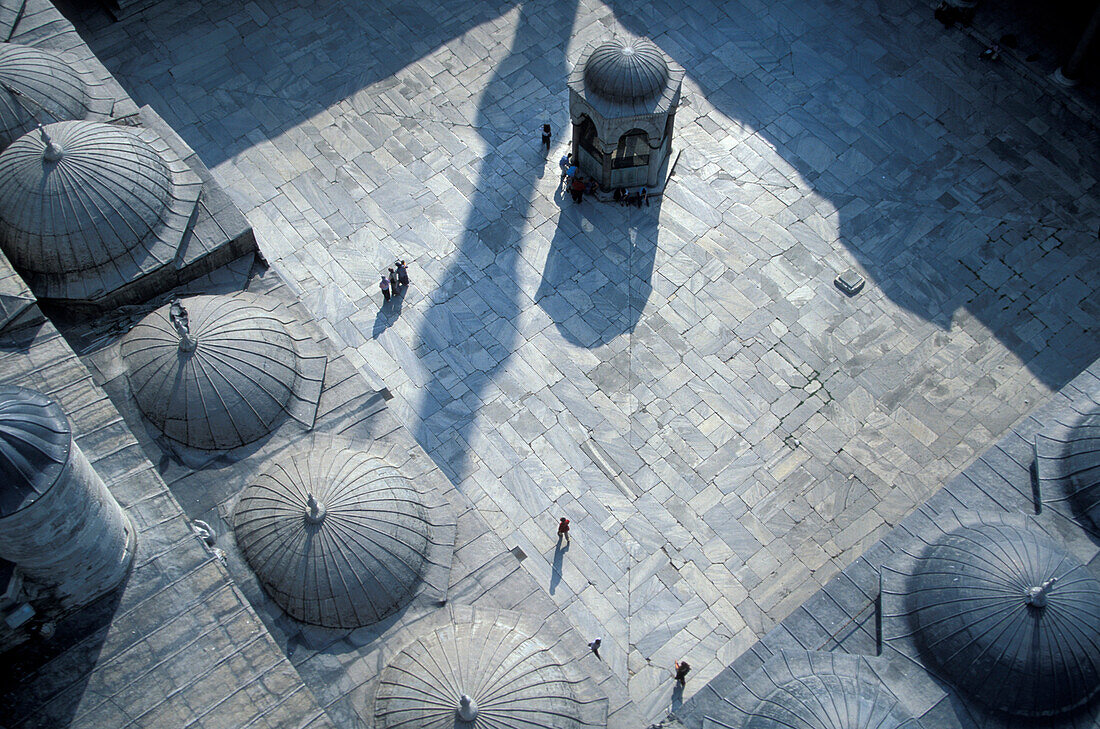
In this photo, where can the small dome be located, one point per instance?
(1009, 617)
(1071, 460)
(337, 537)
(218, 373)
(830, 701)
(46, 89)
(81, 199)
(34, 445)
(626, 70)
(497, 674)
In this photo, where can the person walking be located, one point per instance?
(595, 647)
(393, 282)
(385, 286)
(563, 529)
(402, 273)
(682, 669)
(546, 136)
(643, 196)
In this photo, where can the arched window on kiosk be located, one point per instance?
(633, 150)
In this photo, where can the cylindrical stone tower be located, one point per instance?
(58, 521)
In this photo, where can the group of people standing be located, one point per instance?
(573, 180)
(396, 281)
(624, 196)
(577, 186)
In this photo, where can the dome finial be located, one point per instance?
(467, 708)
(178, 315)
(1037, 596)
(53, 151)
(315, 511)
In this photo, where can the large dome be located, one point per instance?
(337, 537)
(87, 206)
(35, 438)
(626, 70)
(1009, 617)
(1068, 459)
(219, 373)
(499, 672)
(46, 89)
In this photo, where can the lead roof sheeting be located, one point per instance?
(359, 560)
(517, 673)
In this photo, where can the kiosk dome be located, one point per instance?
(626, 70)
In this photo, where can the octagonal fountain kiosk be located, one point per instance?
(623, 96)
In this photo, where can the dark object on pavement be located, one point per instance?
(850, 282)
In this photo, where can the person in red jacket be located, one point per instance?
(563, 529)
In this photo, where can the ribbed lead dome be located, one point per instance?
(1009, 617)
(1069, 460)
(626, 70)
(501, 672)
(830, 701)
(46, 89)
(87, 206)
(35, 437)
(337, 537)
(215, 373)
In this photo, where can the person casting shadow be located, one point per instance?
(555, 569)
(387, 315)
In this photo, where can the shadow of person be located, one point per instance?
(677, 696)
(555, 569)
(599, 270)
(388, 313)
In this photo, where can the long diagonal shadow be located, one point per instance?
(451, 397)
(598, 276)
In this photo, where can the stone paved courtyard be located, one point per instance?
(724, 427)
